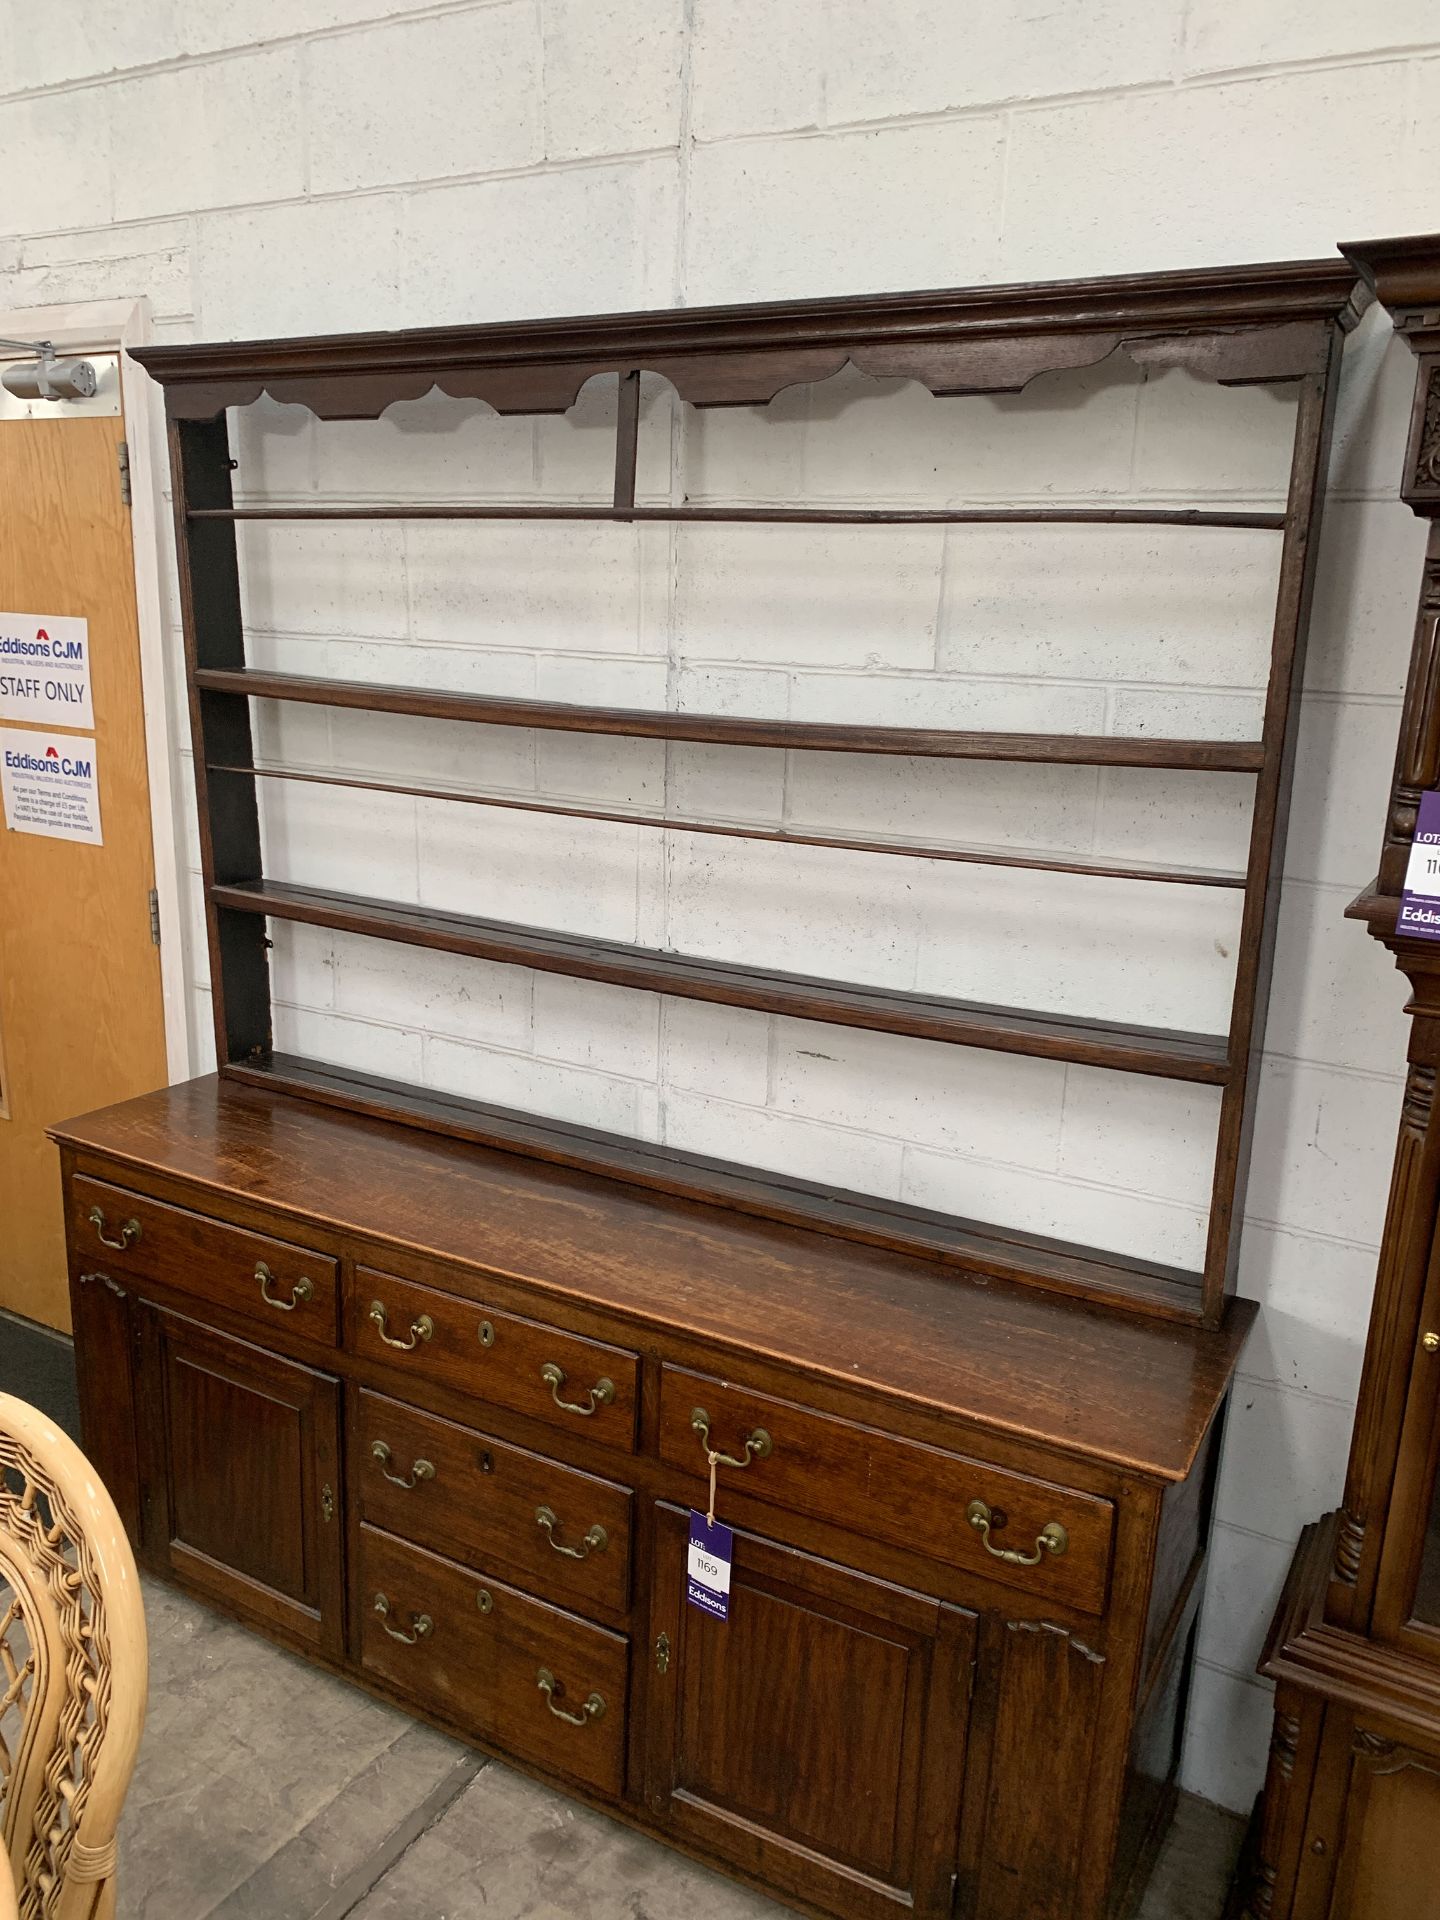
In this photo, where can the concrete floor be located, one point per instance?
(269, 1791)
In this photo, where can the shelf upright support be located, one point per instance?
(1270, 815)
(227, 803)
(627, 439)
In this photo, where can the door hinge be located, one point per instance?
(123, 454)
(155, 916)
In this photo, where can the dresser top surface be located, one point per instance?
(1130, 1390)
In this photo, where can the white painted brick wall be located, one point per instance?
(303, 165)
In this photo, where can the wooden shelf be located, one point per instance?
(1001, 1253)
(1249, 325)
(1173, 1055)
(782, 836)
(773, 516)
(1074, 749)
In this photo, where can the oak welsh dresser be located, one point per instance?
(426, 1389)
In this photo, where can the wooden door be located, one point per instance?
(1029, 1842)
(1407, 1595)
(1376, 1805)
(816, 1738)
(81, 1015)
(240, 1476)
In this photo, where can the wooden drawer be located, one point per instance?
(270, 1282)
(560, 1531)
(891, 1489)
(484, 1654)
(520, 1364)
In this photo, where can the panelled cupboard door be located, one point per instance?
(816, 1738)
(240, 1463)
(1028, 1826)
(1382, 1794)
(104, 1338)
(1407, 1598)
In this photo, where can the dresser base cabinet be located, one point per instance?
(438, 1415)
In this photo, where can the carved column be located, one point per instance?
(1410, 1224)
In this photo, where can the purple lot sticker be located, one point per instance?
(1420, 908)
(707, 1583)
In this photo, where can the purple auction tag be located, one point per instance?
(1420, 908)
(707, 1583)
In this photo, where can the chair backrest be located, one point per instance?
(73, 1670)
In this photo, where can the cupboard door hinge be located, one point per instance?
(154, 916)
(122, 452)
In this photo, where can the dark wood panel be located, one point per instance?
(481, 1657)
(227, 812)
(241, 1469)
(946, 743)
(534, 1369)
(1175, 1055)
(1046, 1685)
(1180, 1546)
(265, 1279)
(105, 1338)
(557, 1530)
(1004, 1358)
(817, 1736)
(1392, 1801)
(877, 1485)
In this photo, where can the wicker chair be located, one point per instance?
(73, 1671)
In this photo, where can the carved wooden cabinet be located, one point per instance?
(425, 1387)
(1352, 1797)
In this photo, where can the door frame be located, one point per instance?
(114, 326)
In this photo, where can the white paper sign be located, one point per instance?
(50, 785)
(45, 669)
